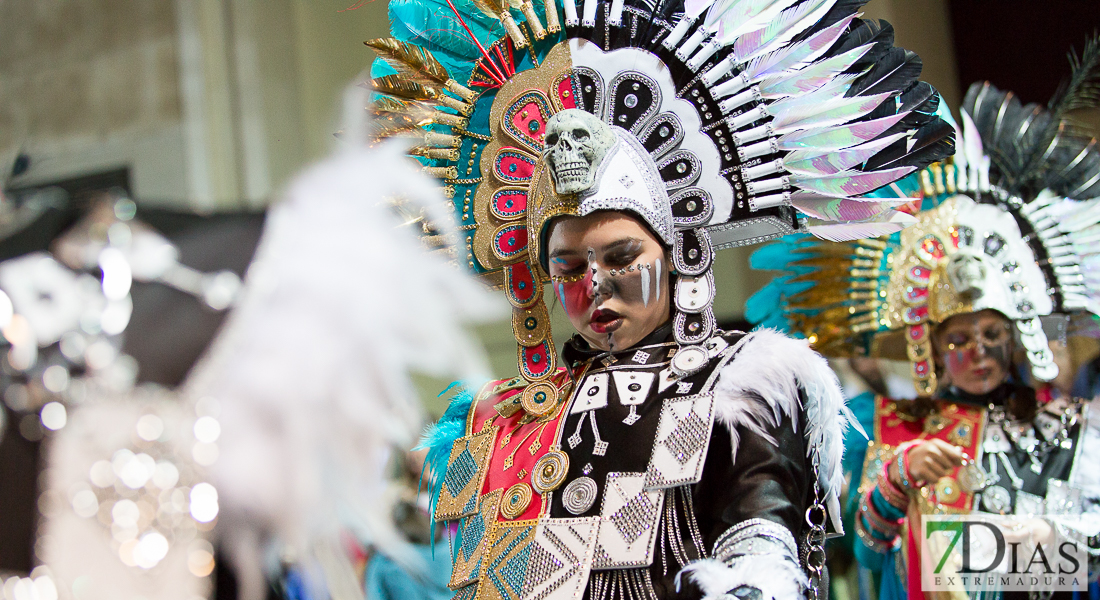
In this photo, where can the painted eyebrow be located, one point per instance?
(607, 247)
(563, 252)
(621, 243)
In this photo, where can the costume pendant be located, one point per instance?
(579, 495)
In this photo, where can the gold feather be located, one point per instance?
(395, 85)
(390, 124)
(423, 113)
(388, 104)
(821, 279)
(826, 262)
(419, 65)
(492, 8)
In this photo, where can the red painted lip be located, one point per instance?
(983, 372)
(605, 321)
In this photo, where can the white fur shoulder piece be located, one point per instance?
(760, 385)
(774, 576)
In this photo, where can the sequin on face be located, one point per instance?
(975, 350)
(607, 275)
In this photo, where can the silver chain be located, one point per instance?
(815, 538)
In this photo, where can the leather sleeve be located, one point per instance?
(770, 480)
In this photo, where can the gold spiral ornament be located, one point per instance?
(516, 500)
(549, 471)
(539, 399)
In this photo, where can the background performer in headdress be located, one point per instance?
(1007, 237)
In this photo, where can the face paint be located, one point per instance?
(957, 360)
(575, 294)
(1000, 353)
(976, 350)
(605, 280)
(657, 280)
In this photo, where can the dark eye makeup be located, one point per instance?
(617, 254)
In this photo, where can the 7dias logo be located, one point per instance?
(983, 552)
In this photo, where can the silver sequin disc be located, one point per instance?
(689, 360)
(579, 495)
(996, 499)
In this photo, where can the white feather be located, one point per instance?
(761, 385)
(774, 577)
(884, 223)
(313, 366)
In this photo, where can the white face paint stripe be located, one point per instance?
(657, 280)
(645, 285)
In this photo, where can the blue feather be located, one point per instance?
(381, 68)
(765, 308)
(438, 439)
(432, 25)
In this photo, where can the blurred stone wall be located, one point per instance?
(210, 104)
(88, 85)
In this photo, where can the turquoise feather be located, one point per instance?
(765, 307)
(438, 439)
(432, 25)
(381, 68)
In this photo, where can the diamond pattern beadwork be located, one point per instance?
(560, 559)
(687, 438)
(461, 471)
(466, 468)
(467, 593)
(640, 357)
(629, 518)
(635, 517)
(508, 560)
(683, 434)
(543, 563)
(471, 534)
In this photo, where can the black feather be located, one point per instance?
(997, 115)
(1029, 148)
(839, 11)
(921, 102)
(861, 32)
(1072, 168)
(1082, 89)
(935, 141)
(894, 71)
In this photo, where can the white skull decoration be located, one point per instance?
(967, 273)
(576, 144)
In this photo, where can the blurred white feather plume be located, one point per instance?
(312, 368)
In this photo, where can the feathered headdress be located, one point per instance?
(727, 118)
(1012, 223)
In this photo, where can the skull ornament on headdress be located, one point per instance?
(576, 145)
(714, 122)
(989, 237)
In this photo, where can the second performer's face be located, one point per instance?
(975, 350)
(611, 275)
